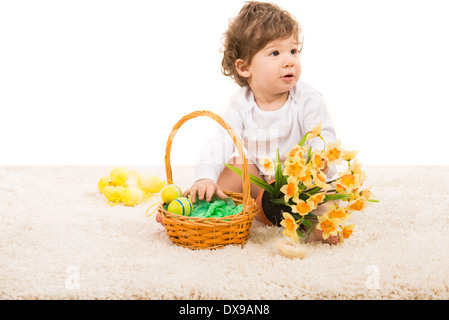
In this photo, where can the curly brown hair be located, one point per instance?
(256, 25)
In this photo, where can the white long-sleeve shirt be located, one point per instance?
(262, 132)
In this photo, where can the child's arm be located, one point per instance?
(205, 187)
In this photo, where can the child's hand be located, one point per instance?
(204, 187)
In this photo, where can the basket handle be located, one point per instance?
(235, 139)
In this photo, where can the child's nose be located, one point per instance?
(289, 61)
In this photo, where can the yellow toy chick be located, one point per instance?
(116, 188)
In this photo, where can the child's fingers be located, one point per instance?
(209, 193)
(192, 192)
(201, 191)
(221, 194)
(186, 193)
(204, 190)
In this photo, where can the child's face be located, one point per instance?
(276, 68)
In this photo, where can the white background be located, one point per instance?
(102, 82)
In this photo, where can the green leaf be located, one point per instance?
(307, 223)
(258, 182)
(303, 196)
(303, 140)
(312, 216)
(280, 201)
(299, 233)
(278, 175)
(313, 190)
(284, 180)
(336, 197)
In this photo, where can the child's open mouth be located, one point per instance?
(288, 77)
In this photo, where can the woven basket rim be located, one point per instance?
(243, 215)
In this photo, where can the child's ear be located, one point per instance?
(242, 68)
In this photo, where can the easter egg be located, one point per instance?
(151, 184)
(118, 176)
(131, 196)
(170, 192)
(181, 206)
(113, 194)
(103, 182)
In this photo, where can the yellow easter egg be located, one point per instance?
(118, 176)
(170, 192)
(113, 194)
(151, 183)
(181, 206)
(103, 182)
(131, 196)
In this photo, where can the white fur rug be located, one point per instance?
(59, 239)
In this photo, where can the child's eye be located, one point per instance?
(294, 51)
(274, 53)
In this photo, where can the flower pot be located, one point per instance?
(269, 213)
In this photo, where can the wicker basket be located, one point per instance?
(210, 233)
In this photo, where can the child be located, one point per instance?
(272, 109)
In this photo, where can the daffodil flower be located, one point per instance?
(327, 225)
(347, 231)
(334, 152)
(366, 193)
(315, 132)
(317, 160)
(349, 181)
(296, 151)
(358, 205)
(356, 169)
(338, 213)
(290, 226)
(317, 199)
(295, 167)
(302, 207)
(319, 178)
(290, 189)
(349, 155)
(268, 166)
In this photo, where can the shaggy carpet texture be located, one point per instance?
(59, 239)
